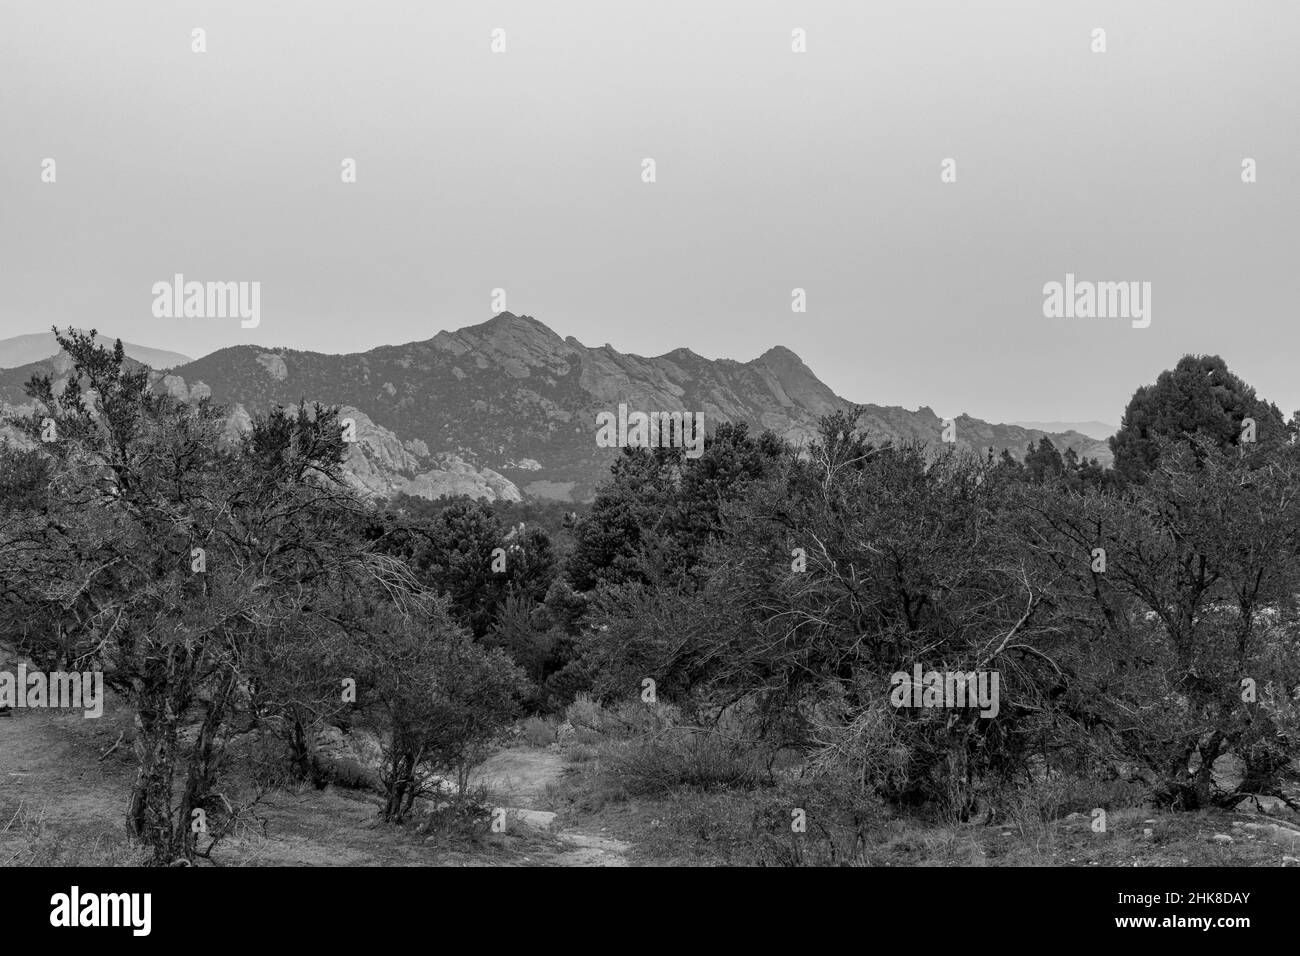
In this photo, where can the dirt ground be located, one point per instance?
(64, 790)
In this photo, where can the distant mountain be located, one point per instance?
(26, 349)
(1098, 430)
(509, 407)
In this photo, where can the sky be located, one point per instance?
(523, 170)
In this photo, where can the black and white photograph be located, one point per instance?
(700, 434)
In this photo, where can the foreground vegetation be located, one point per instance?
(714, 639)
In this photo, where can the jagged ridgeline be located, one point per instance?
(507, 409)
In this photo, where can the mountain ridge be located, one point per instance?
(1093, 429)
(507, 407)
(19, 350)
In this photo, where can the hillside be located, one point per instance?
(39, 346)
(507, 408)
(1093, 429)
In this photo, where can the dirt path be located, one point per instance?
(61, 804)
(521, 778)
(588, 850)
(56, 795)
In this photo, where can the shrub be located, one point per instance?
(464, 818)
(585, 713)
(442, 696)
(540, 732)
(1060, 795)
(837, 813)
(687, 757)
(348, 774)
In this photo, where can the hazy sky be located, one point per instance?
(821, 170)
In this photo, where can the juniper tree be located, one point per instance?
(172, 558)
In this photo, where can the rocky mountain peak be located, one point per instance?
(517, 343)
(508, 402)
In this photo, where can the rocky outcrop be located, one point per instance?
(379, 464)
(274, 365)
(508, 403)
(457, 477)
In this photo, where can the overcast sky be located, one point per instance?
(775, 170)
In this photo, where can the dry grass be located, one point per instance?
(30, 838)
(681, 801)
